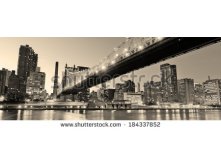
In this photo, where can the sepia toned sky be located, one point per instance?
(89, 51)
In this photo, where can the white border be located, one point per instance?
(177, 143)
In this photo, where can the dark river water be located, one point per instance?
(109, 115)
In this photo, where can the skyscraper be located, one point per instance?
(4, 77)
(14, 88)
(35, 84)
(198, 94)
(186, 90)
(27, 62)
(2, 82)
(14, 82)
(152, 93)
(55, 88)
(169, 82)
(212, 92)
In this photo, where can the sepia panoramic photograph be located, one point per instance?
(110, 78)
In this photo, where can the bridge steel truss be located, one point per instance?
(136, 53)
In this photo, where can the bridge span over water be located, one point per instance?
(133, 54)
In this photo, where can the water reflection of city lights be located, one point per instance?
(1, 106)
(141, 111)
(128, 111)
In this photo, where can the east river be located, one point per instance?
(17, 114)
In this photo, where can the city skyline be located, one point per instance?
(196, 64)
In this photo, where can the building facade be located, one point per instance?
(169, 82)
(198, 94)
(109, 95)
(133, 98)
(27, 63)
(14, 93)
(4, 77)
(120, 88)
(35, 87)
(152, 93)
(212, 92)
(186, 90)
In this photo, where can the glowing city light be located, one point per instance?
(128, 111)
(103, 67)
(140, 47)
(2, 98)
(125, 50)
(113, 62)
(159, 38)
(117, 55)
(127, 54)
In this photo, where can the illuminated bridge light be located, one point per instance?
(117, 55)
(140, 47)
(125, 50)
(103, 67)
(113, 62)
(127, 54)
(159, 38)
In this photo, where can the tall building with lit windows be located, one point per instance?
(186, 90)
(212, 92)
(27, 63)
(35, 87)
(198, 94)
(169, 82)
(4, 77)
